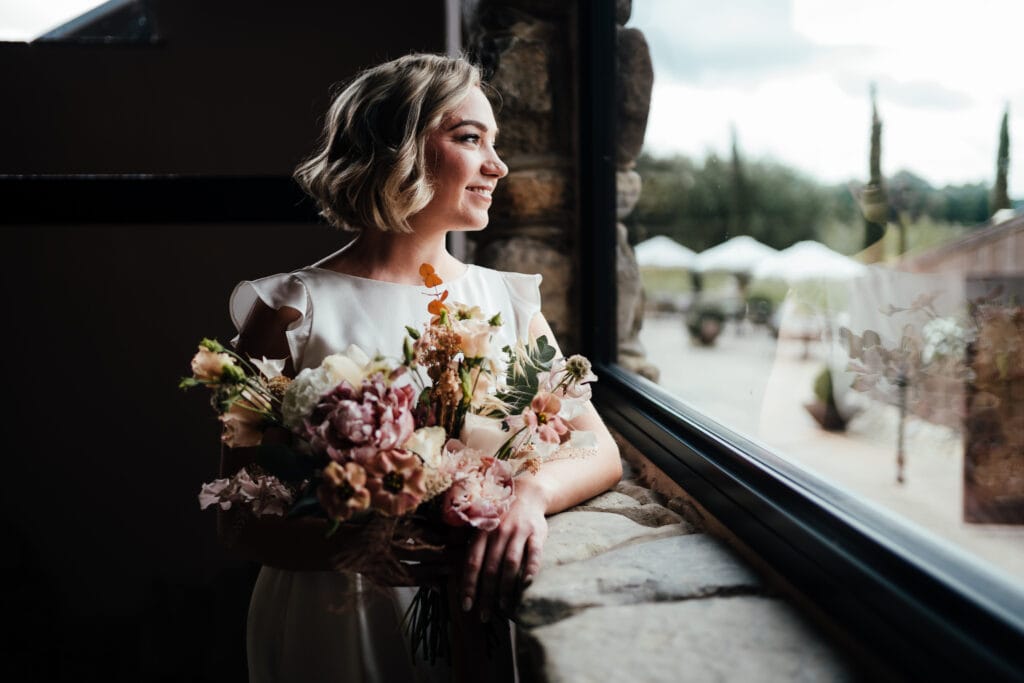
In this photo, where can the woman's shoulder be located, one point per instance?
(511, 278)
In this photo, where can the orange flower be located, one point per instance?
(430, 278)
(437, 305)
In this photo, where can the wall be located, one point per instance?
(108, 565)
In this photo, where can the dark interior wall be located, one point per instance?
(109, 570)
(233, 87)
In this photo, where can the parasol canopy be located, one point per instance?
(809, 260)
(739, 255)
(663, 252)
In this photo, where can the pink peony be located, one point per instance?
(396, 481)
(344, 491)
(482, 489)
(377, 415)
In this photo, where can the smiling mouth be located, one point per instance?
(482, 191)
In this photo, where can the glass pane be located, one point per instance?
(76, 21)
(830, 240)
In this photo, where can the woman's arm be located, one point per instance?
(497, 559)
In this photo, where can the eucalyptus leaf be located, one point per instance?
(284, 463)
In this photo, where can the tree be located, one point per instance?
(1000, 197)
(739, 217)
(874, 197)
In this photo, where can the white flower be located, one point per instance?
(269, 367)
(943, 337)
(428, 443)
(303, 394)
(483, 434)
(474, 337)
(353, 366)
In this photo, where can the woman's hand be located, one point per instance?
(497, 559)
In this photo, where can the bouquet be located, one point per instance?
(404, 447)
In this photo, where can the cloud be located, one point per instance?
(915, 94)
(701, 42)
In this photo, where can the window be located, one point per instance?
(832, 267)
(78, 21)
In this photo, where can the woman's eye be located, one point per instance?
(470, 137)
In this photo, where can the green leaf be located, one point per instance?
(284, 463)
(306, 506)
(407, 351)
(495, 320)
(188, 382)
(413, 332)
(212, 345)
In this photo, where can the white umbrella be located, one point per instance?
(809, 260)
(739, 255)
(663, 252)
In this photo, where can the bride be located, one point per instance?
(408, 155)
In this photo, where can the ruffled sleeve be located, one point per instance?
(524, 292)
(275, 291)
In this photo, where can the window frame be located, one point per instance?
(914, 603)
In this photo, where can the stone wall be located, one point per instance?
(635, 588)
(528, 50)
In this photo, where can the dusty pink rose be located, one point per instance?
(396, 481)
(344, 491)
(209, 366)
(482, 489)
(242, 426)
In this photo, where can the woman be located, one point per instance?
(408, 154)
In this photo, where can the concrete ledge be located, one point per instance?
(633, 590)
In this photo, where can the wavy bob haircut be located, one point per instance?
(369, 169)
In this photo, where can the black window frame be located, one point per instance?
(913, 603)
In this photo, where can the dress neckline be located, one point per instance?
(458, 278)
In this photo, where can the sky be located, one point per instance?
(793, 77)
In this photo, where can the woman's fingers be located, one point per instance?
(489, 573)
(471, 570)
(534, 551)
(510, 569)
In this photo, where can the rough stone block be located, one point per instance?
(574, 536)
(534, 195)
(635, 80)
(677, 568)
(621, 504)
(740, 638)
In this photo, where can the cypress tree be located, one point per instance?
(1000, 196)
(874, 199)
(739, 216)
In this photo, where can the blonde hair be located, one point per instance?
(369, 169)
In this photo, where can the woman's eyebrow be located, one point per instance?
(471, 122)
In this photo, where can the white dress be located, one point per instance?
(298, 629)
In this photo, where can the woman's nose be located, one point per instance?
(495, 166)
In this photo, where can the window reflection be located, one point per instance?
(830, 238)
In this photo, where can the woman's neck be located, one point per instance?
(395, 257)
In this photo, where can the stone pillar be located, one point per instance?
(525, 49)
(635, 79)
(528, 51)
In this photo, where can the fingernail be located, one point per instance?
(467, 604)
(528, 579)
(485, 616)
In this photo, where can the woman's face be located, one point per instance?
(463, 167)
